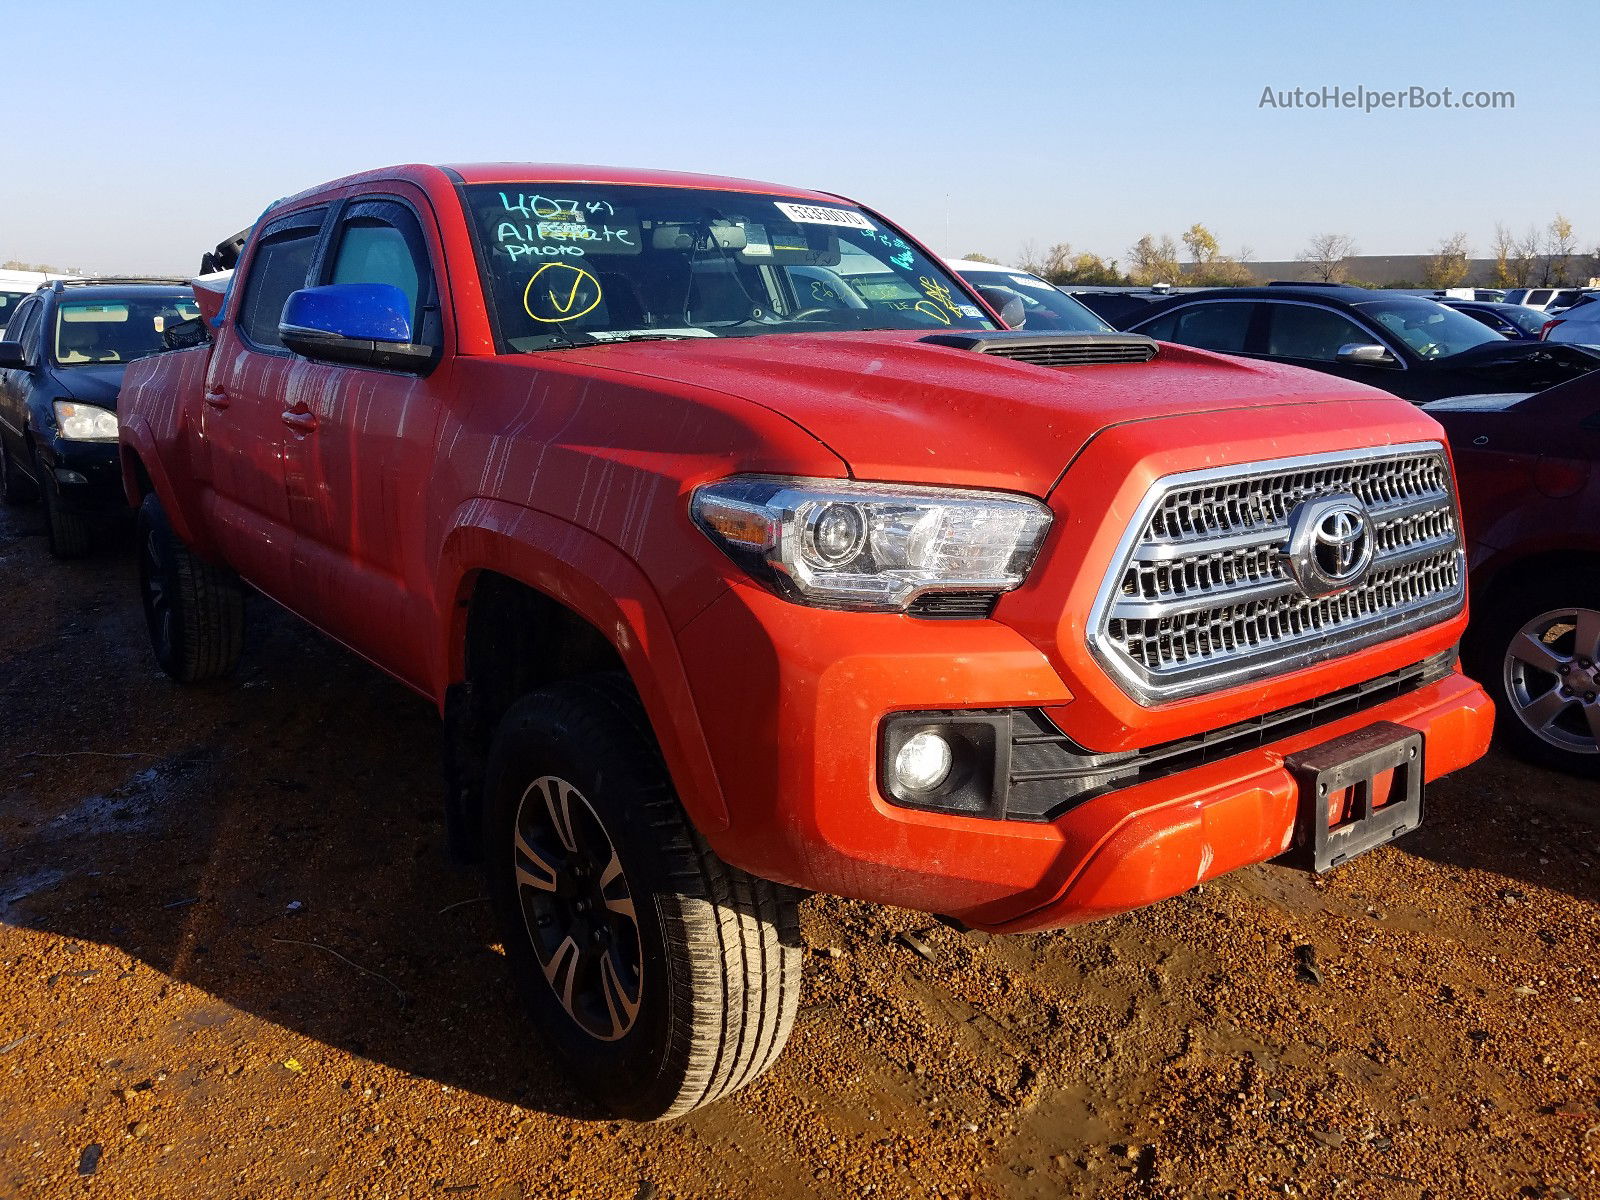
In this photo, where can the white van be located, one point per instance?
(15, 286)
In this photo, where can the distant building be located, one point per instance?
(1384, 269)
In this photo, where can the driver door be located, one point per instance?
(1308, 335)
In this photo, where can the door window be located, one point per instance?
(279, 266)
(1223, 326)
(380, 241)
(26, 330)
(1313, 334)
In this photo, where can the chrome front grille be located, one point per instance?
(1200, 597)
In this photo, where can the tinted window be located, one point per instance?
(374, 251)
(280, 266)
(1484, 317)
(1222, 326)
(1314, 334)
(26, 331)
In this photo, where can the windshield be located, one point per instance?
(1430, 329)
(575, 264)
(1044, 306)
(116, 331)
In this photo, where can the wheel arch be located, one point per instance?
(143, 472)
(1507, 574)
(501, 563)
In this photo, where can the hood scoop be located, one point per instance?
(1052, 349)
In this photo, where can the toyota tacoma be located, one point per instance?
(745, 554)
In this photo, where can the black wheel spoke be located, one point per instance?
(577, 908)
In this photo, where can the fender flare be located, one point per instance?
(602, 585)
(136, 449)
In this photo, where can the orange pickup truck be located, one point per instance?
(744, 552)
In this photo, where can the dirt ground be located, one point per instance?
(234, 962)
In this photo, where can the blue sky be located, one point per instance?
(142, 133)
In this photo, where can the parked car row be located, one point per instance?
(1412, 347)
(61, 368)
(746, 551)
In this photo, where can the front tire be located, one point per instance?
(15, 489)
(194, 611)
(1537, 650)
(664, 977)
(68, 532)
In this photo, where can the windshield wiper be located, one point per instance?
(645, 337)
(610, 341)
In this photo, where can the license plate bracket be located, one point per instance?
(1354, 764)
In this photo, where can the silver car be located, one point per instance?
(1580, 323)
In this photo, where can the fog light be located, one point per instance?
(923, 762)
(66, 476)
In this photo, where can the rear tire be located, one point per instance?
(664, 977)
(68, 532)
(1536, 648)
(193, 610)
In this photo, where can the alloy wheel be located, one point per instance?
(578, 908)
(1552, 678)
(157, 596)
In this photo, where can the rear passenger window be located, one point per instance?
(25, 329)
(1314, 334)
(1221, 326)
(279, 266)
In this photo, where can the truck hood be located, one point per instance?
(897, 408)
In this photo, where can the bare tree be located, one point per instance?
(1326, 253)
(1504, 248)
(1530, 263)
(1560, 245)
(1448, 266)
(1154, 260)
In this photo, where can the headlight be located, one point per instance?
(871, 547)
(85, 422)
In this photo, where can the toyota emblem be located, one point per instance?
(1330, 546)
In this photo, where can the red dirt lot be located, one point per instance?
(236, 964)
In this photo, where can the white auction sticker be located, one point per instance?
(1029, 281)
(812, 214)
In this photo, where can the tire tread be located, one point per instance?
(735, 1005)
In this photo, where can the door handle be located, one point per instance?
(301, 422)
(216, 398)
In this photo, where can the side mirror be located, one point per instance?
(367, 324)
(1365, 354)
(1010, 308)
(11, 355)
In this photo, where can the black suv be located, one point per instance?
(60, 370)
(1411, 346)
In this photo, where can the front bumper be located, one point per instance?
(88, 476)
(792, 699)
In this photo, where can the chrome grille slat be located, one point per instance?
(1200, 599)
